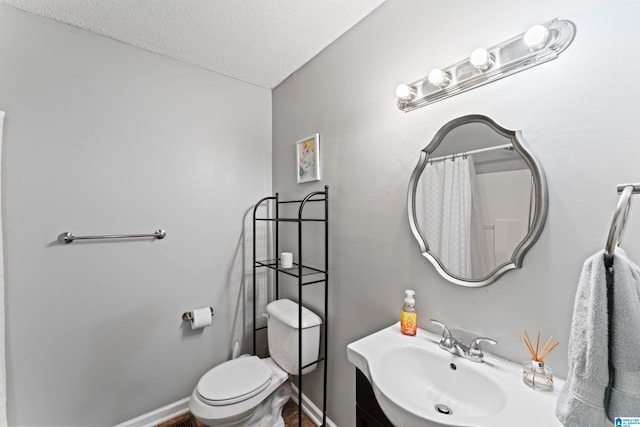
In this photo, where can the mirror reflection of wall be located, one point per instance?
(506, 210)
(475, 201)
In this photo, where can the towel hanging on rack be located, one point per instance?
(604, 375)
(604, 379)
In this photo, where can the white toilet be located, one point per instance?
(249, 391)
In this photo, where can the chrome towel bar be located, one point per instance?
(620, 218)
(67, 237)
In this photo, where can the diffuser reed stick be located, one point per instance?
(537, 354)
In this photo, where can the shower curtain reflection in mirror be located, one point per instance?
(452, 219)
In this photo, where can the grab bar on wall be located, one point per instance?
(620, 218)
(67, 237)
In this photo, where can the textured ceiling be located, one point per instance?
(257, 41)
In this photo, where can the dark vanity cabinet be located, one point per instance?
(368, 412)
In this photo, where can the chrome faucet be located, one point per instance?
(453, 345)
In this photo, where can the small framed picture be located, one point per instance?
(308, 155)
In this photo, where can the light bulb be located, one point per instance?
(481, 59)
(439, 78)
(536, 37)
(405, 92)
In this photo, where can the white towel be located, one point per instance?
(583, 400)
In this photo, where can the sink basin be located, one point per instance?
(417, 383)
(464, 390)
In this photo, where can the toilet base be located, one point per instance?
(266, 414)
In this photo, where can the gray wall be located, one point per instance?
(101, 138)
(578, 114)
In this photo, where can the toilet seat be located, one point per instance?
(235, 414)
(234, 381)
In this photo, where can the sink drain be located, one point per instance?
(443, 409)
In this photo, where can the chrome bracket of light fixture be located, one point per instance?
(539, 44)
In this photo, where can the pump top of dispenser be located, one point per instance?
(409, 297)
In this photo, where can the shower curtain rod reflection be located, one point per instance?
(467, 153)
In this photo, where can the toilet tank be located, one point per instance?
(282, 333)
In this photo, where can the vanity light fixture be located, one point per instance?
(539, 44)
(439, 78)
(481, 59)
(536, 37)
(405, 92)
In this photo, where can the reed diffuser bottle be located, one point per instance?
(535, 373)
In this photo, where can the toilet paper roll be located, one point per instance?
(286, 260)
(200, 317)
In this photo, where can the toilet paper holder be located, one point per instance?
(188, 315)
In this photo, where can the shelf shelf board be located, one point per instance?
(291, 219)
(300, 201)
(293, 271)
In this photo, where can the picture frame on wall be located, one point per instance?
(308, 158)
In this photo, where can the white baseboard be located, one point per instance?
(160, 415)
(181, 407)
(309, 408)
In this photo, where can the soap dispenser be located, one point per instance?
(408, 316)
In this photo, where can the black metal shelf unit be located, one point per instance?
(305, 274)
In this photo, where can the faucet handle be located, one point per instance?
(447, 339)
(445, 330)
(475, 350)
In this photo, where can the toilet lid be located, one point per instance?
(234, 381)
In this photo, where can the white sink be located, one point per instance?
(417, 383)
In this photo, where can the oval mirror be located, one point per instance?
(477, 200)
